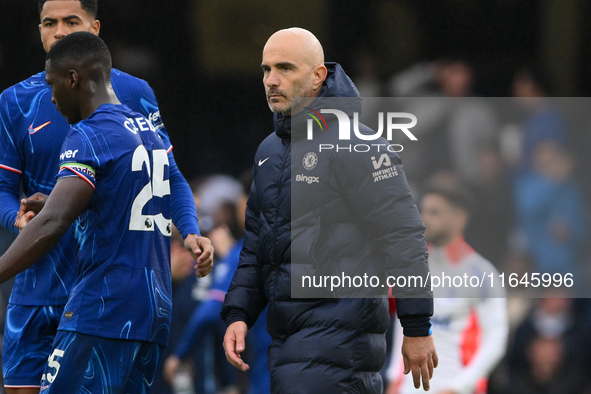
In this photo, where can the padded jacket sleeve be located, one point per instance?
(393, 219)
(245, 299)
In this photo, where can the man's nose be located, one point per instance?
(61, 31)
(273, 79)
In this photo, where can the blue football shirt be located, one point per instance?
(123, 286)
(31, 132)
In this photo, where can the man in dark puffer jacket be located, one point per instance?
(331, 345)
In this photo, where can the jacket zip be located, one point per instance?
(279, 187)
(275, 259)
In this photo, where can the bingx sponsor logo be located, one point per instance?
(308, 179)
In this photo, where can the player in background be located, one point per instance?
(31, 134)
(206, 316)
(470, 326)
(117, 318)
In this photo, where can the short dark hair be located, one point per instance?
(82, 48)
(90, 6)
(457, 195)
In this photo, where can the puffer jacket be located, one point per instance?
(327, 215)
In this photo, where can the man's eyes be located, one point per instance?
(69, 23)
(282, 68)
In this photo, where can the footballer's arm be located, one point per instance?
(66, 202)
(200, 247)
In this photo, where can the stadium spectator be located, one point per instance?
(453, 129)
(550, 210)
(550, 350)
(544, 122)
(327, 344)
(31, 135)
(470, 326)
(491, 219)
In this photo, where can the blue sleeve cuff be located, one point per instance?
(234, 315)
(416, 326)
(8, 212)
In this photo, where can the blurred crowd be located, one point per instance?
(518, 156)
(521, 158)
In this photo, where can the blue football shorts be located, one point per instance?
(82, 363)
(28, 340)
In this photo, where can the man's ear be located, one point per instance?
(318, 76)
(74, 79)
(95, 27)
